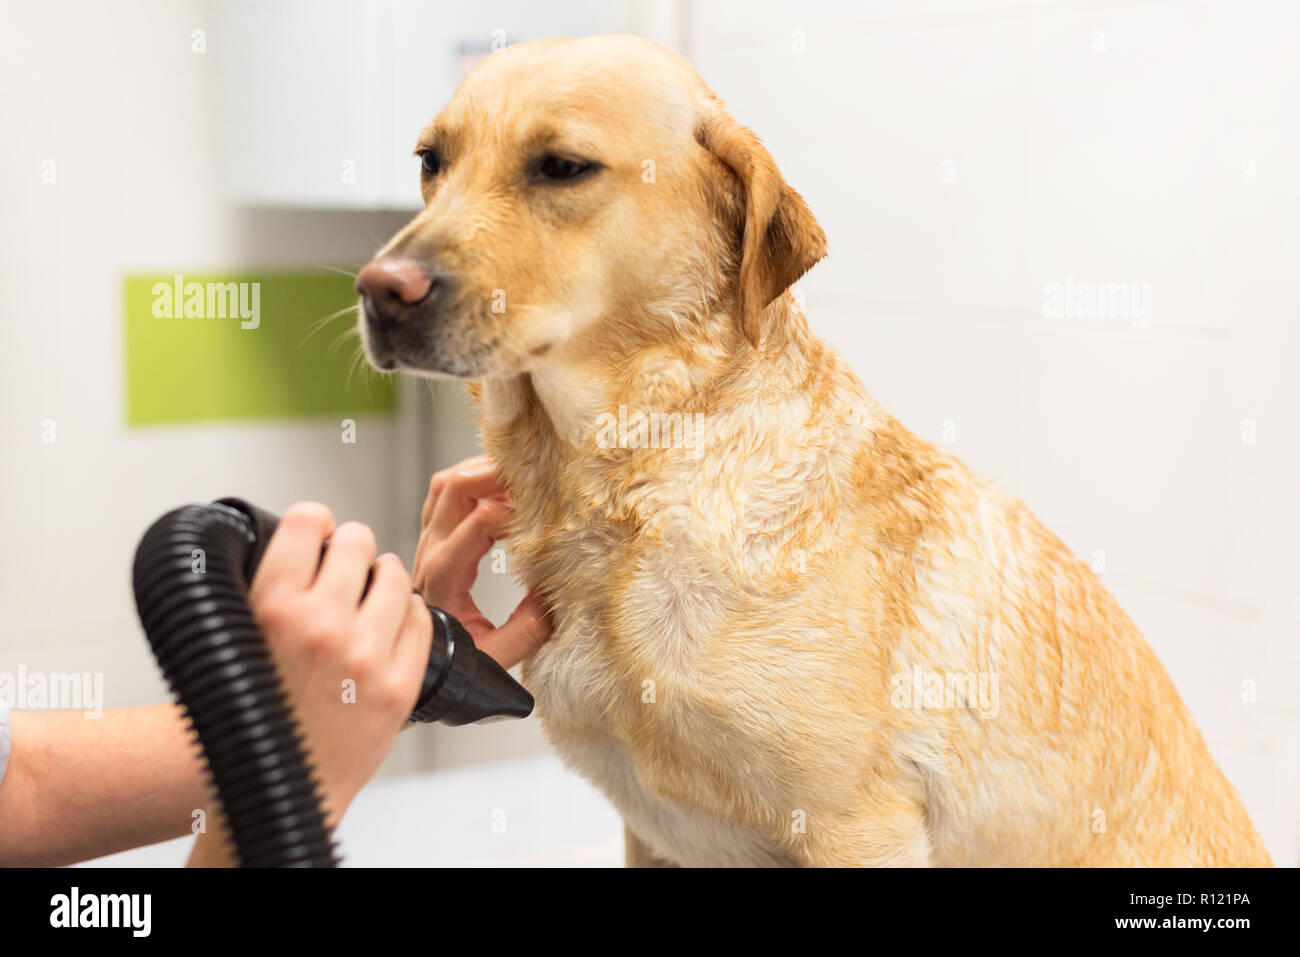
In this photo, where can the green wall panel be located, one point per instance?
(246, 345)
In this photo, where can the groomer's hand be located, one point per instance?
(352, 666)
(466, 511)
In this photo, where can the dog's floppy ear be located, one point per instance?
(782, 239)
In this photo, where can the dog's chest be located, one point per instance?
(671, 830)
(614, 688)
(583, 706)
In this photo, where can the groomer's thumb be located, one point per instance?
(526, 630)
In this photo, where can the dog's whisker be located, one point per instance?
(334, 315)
(347, 383)
(358, 362)
(341, 338)
(371, 233)
(318, 324)
(370, 375)
(337, 269)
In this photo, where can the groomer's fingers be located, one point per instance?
(452, 567)
(468, 614)
(384, 607)
(411, 655)
(293, 554)
(455, 492)
(471, 539)
(347, 562)
(526, 630)
(438, 482)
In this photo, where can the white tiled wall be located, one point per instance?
(961, 155)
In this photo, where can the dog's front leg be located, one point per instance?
(894, 835)
(636, 854)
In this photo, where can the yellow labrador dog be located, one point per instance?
(787, 631)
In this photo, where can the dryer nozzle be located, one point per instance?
(462, 684)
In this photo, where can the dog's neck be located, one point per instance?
(572, 399)
(541, 427)
(547, 419)
(574, 386)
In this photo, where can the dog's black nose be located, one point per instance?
(392, 286)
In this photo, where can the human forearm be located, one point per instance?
(79, 788)
(213, 849)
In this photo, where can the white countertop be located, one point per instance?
(528, 812)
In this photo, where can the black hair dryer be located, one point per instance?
(191, 576)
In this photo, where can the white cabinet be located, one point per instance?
(319, 102)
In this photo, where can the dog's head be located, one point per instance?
(571, 186)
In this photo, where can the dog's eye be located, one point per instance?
(430, 161)
(559, 168)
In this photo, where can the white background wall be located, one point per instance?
(960, 155)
